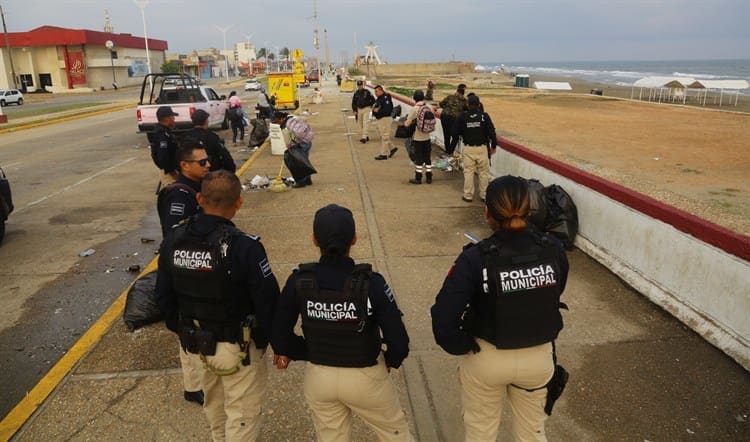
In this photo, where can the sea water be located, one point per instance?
(625, 73)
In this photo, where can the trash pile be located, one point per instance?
(553, 211)
(448, 163)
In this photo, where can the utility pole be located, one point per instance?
(316, 41)
(328, 53)
(224, 33)
(356, 57)
(7, 47)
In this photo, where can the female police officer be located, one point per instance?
(499, 308)
(344, 308)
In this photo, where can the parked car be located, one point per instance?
(313, 76)
(6, 202)
(184, 98)
(10, 96)
(252, 85)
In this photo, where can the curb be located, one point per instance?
(68, 118)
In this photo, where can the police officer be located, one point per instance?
(382, 113)
(178, 201)
(362, 101)
(480, 141)
(450, 108)
(218, 154)
(344, 307)
(175, 203)
(164, 145)
(219, 293)
(499, 309)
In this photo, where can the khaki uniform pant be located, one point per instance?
(363, 121)
(485, 379)
(192, 370)
(384, 126)
(233, 403)
(333, 393)
(475, 160)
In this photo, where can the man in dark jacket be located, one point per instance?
(362, 102)
(382, 113)
(450, 108)
(164, 145)
(218, 155)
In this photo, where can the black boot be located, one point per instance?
(429, 177)
(417, 178)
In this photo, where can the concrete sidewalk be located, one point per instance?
(636, 373)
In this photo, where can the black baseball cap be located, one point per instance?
(473, 100)
(334, 229)
(164, 112)
(360, 82)
(199, 117)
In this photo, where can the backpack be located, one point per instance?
(426, 119)
(236, 114)
(300, 129)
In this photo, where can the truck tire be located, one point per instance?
(2, 103)
(225, 123)
(20, 101)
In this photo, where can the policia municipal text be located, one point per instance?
(344, 308)
(499, 309)
(218, 293)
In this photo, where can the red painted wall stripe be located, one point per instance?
(706, 231)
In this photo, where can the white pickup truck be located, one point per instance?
(184, 96)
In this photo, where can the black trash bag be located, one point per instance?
(396, 112)
(258, 134)
(562, 215)
(537, 203)
(298, 163)
(405, 131)
(140, 306)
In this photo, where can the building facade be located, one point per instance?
(58, 59)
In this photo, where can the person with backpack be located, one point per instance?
(382, 113)
(450, 108)
(300, 134)
(423, 117)
(237, 120)
(175, 203)
(348, 311)
(480, 141)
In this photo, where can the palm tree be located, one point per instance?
(262, 53)
(284, 52)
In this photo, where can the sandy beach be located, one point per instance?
(693, 158)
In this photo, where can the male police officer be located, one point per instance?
(218, 154)
(344, 309)
(218, 291)
(362, 101)
(480, 141)
(175, 203)
(164, 145)
(382, 113)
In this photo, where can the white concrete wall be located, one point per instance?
(702, 285)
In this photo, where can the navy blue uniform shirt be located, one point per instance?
(332, 273)
(249, 271)
(164, 148)
(384, 106)
(464, 280)
(176, 203)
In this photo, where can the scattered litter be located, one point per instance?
(343, 109)
(135, 254)
(689, 431)
(108, 271)
(88, 252)
(315, 113)
(259, 181)
(340, 189)
(58, 311)
(241, 150)
(350, 133)
(656, 158)
(147, 240)
(115, 257)
(305, 112)
(741, 418)
(135, 268)
(351, 117)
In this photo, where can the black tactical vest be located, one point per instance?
(200, 277)
(474, 134)
(520, 299)
(337, 327)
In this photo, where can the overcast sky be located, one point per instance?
(425, 30)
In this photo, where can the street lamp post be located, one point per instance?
(110, 45)
(142, 4)
(224, 33)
